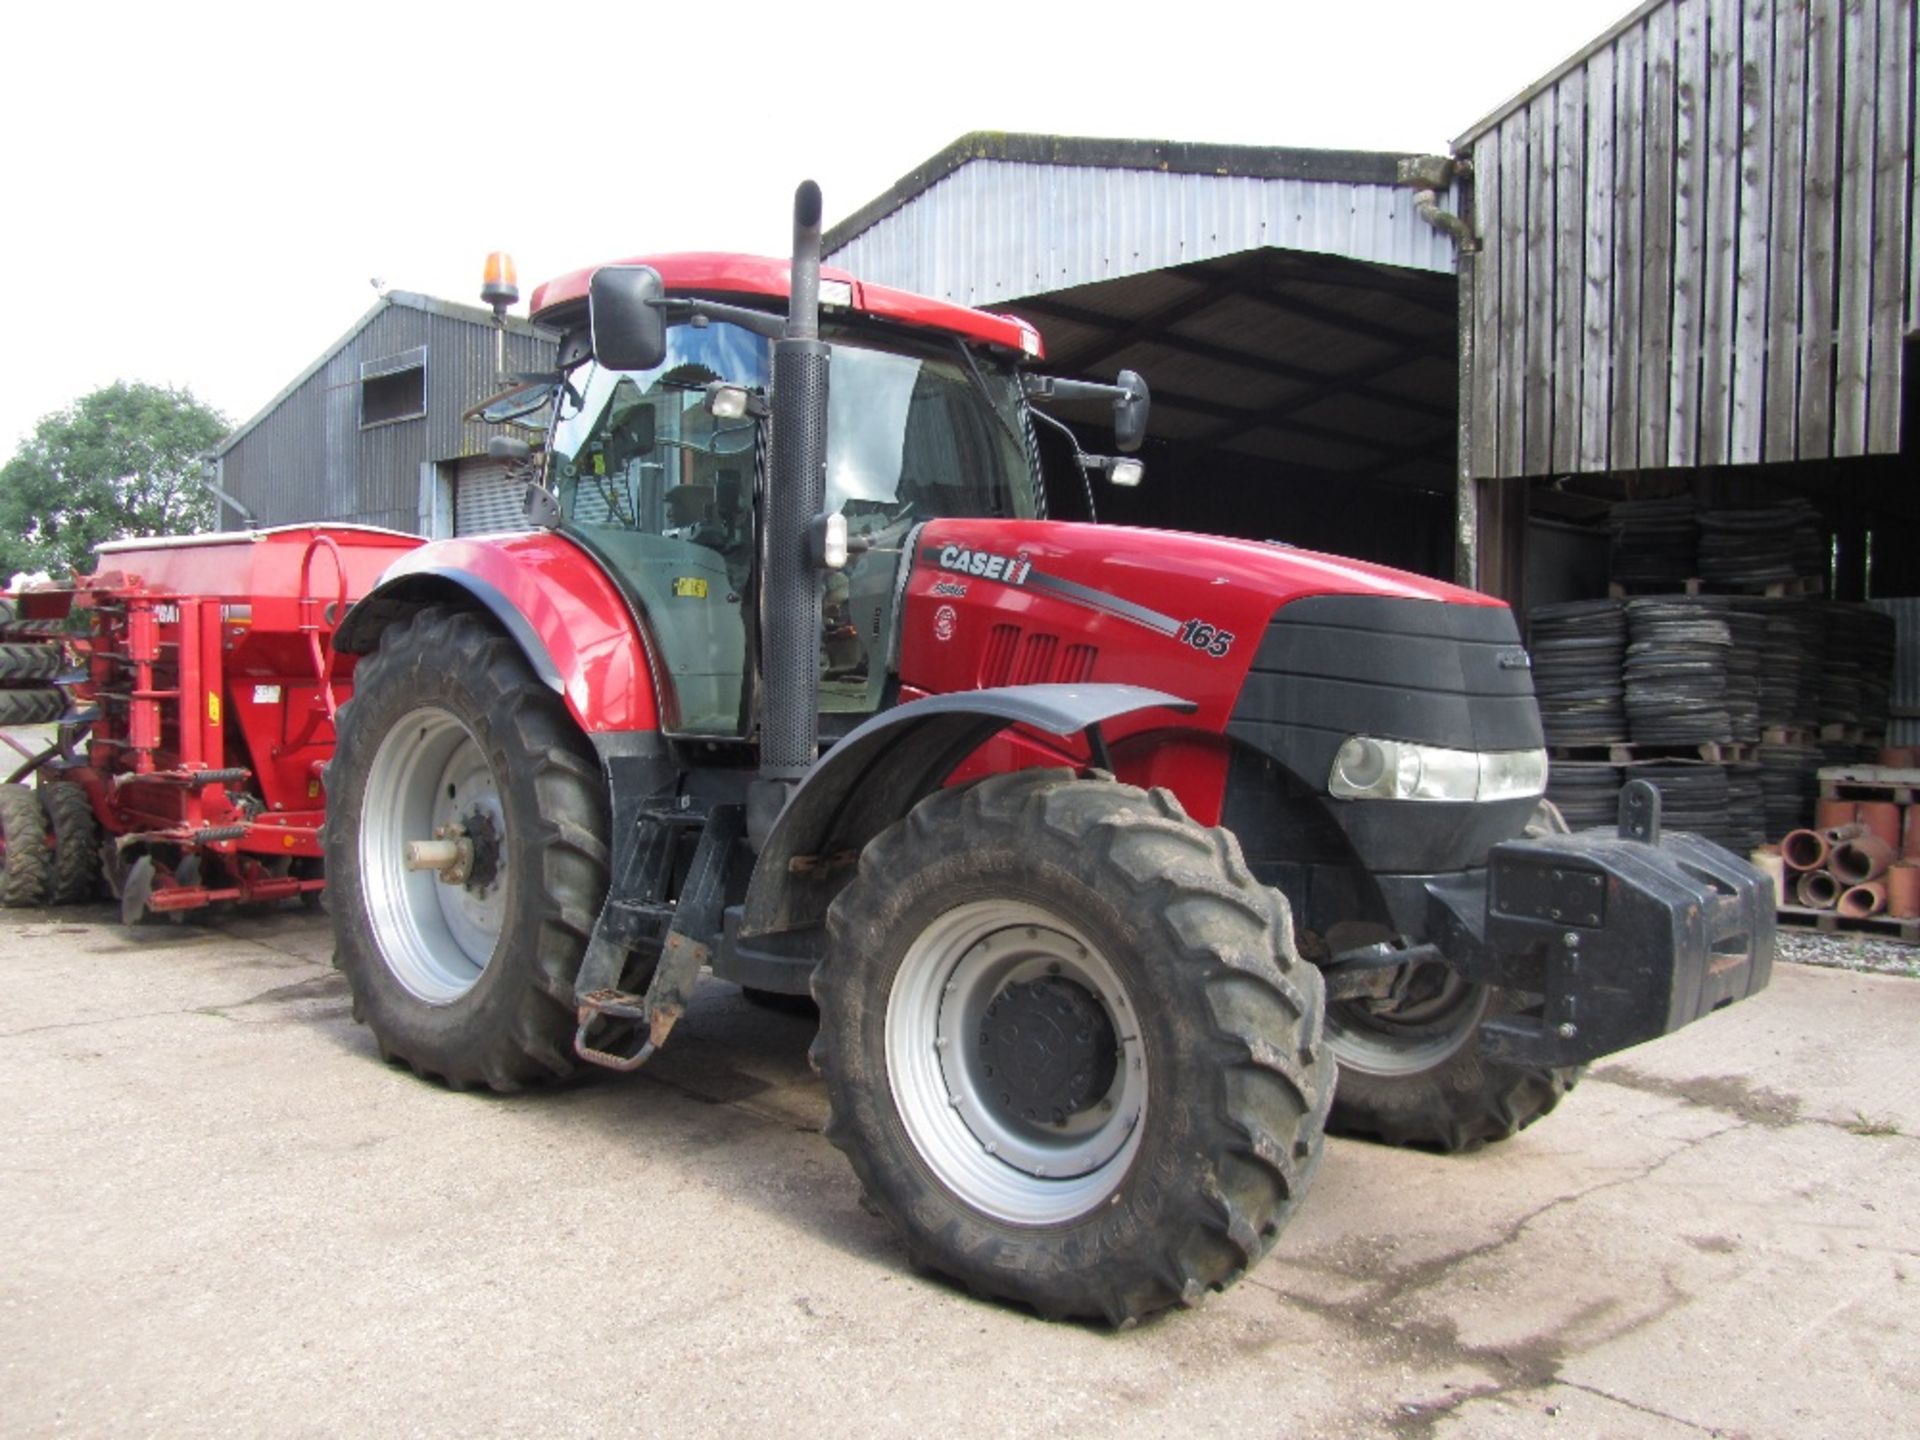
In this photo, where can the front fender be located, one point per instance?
(551, 597)
(887, 766)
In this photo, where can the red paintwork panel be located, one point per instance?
(1081, 603)
(1190, 763)
(573, 607)
(755, 275)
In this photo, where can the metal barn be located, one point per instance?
(1293, 311)
(1682, 262)
(372, 433)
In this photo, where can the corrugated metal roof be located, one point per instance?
(991, 230)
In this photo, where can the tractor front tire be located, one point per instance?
(469, 981)
(26, 862)
(1418, 1078)
(1069, 1048)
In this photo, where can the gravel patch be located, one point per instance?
(1850, 950)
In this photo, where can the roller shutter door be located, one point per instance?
(486, 498)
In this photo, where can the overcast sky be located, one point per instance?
(200, 195)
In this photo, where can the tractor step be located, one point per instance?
(612, 1005)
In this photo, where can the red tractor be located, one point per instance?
(1100, 850)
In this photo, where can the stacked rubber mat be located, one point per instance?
(1692, 797)
(1587, 792)
(1856, 666)
(1790, 668)
(1655, 543)
(1579, 651)
(1676, 674)
(1753, 548)
(1746, 817)
(1702, 671)
(1789, 783)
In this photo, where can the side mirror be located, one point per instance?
(629, 330)
(1130, 413)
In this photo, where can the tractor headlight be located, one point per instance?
(1370, 769)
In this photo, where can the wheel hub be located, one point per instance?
(437, 906)
(1016, 1061)
(1047, 1050)
(484, 836)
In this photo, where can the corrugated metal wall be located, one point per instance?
(1698, 243)
(1903, 728)
(996, 230)
(308, 459)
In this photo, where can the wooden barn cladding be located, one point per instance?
(1697, 243)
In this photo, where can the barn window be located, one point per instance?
(394, 388)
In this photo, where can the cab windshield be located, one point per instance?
(911, 434)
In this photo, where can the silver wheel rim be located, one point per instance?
(437, 938)
(1405, 1042)
(1023, 1173)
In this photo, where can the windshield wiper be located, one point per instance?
(980, 384)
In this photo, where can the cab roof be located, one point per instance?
(758, 277)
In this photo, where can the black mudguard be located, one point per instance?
(888, 765)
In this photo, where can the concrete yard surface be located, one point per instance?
(221, 1214)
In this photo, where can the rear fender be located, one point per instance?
(887, 766)
(551, 597)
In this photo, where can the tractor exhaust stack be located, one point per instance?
(796, 486)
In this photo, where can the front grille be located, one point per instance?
(1332, 666)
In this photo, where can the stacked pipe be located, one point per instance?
(1852, 867)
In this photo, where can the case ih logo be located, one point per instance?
(1008, 569)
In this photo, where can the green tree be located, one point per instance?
(120, 462)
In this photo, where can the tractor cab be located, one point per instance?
(661, 473)
(662, 489)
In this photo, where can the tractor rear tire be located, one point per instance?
(31, 707)
(75, 874)
(1171, 1121)
(27, 662)
(467, 983)
(26, 864)
(1427, 1085)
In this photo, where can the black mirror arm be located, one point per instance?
(1052, 387)
(1128, 397)
(760, 322)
